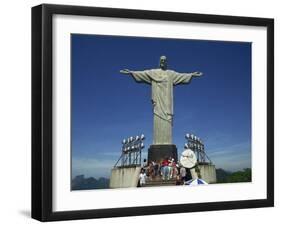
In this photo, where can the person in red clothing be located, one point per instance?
(165, 169)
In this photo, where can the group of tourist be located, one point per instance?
(167, 170)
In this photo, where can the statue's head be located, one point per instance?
(163, 62)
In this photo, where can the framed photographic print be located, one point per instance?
(146, 112)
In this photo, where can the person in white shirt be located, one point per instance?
(142, 178)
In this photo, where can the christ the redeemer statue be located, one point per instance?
(162, 81)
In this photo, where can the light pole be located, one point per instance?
(196, 144)
(131, 151)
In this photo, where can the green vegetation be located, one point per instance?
(234, 177)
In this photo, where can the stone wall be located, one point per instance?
(124, 177)
(207, 171)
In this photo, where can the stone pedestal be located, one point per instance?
(207, 172)
(158, 152)
(124, 177)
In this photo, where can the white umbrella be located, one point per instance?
(194, 182)
(188, 158)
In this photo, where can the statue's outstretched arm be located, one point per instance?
(197, 74)
(139, 76)
(184, 78)
(125, 71)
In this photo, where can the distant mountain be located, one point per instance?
(81, 183)
(222, 175)
(233, 177)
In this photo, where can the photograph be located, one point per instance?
(151, 112)
(140, 113)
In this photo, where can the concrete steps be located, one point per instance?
(157, 181)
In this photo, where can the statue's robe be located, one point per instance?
(162, 82)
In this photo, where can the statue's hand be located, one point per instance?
(197, 74)
(125, 71)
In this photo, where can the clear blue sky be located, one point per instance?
(108, 106)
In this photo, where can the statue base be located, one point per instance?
(158, 152)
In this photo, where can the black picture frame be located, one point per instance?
(42, 111)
